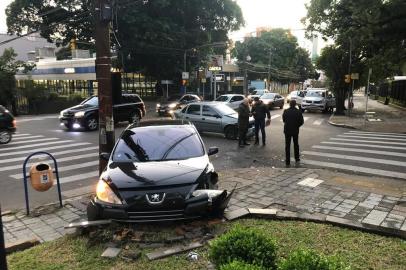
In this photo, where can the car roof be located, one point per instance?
(161, 122)
(207, 103)
(231, 95)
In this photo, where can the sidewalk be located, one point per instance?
(392, 118)
(360, 202)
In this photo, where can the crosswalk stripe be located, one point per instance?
(371, 138)
(65, 168)
(43, 149)
(305, 118)
(366, 141)
(34, 141)
(318, 122)
(376, 135)
(20, 135)
(356, 158)
(14, 167)
(381, 133)
(55, 154)
(30, 146)
(275, 116)
(367, 145)
(359, 150)
(22, 120)
(76, 177)
(355, 168)
(28, 137)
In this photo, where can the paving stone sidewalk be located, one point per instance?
(299, 190)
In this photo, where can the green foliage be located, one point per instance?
(237, 265)
(8, 68)
(75, 98)
(249, 245)
(305, 259)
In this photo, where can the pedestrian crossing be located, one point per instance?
(374, 153)
(308, 119)
(77, 161)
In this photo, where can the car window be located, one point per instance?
(268, 96)
(194, 109)
(222, 98)
(184, 110)
(278, 96)
(92, 101)
(208, 111)
(223, 109)
(157, 143)
(236, 98)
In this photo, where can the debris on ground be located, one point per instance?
(193, 256)
(111, 252)
(132, 255)
(86, 223)
(172, 251)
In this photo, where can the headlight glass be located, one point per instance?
(172, 105)
(104, 193)
(61, 114)
(158, 105)
(79, 114)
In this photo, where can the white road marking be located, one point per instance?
(376, 135)
(367, 145)
(355, 168)
(366, 141)
(359, 150)
(356, 158)
(381, 133)
(372, 138)
(20, 135)
(318, 122)
(28, 137)
(275, 116)
(65, 168)
(55, 154)
(34, 141)
(93, 175)
(306, 118)
(30, 146)
(43, 149)
(21, 120)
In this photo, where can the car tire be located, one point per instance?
(135, 118)
(92, 123)
(325, 110)
(5, 136)
(231, 132)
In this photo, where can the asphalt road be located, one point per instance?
(322, 145)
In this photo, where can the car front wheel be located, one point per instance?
(5, 136)
(231, 132)
(91, 123)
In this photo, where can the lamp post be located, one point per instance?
(247, 59)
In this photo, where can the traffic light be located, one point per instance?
(347, 78)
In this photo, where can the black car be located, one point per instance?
(174, 103)
(86, 115)
(7, 125)
(158, 171)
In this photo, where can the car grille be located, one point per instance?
(317, 102)
(150, 216)
(68, 114)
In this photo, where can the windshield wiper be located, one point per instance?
(175, 144)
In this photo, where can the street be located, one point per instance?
(322, 146)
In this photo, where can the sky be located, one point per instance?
(257, 13)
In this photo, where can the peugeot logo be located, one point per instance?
(155, 198)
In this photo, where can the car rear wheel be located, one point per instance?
(231, 132)
(91, 123)
(5, 136)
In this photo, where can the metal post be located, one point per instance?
(215, 86)
(269, 70)
(211, 84)
(103, 77)
(349, 72)
(367, 95)
(245, 80)
(3, 261)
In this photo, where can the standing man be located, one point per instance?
(243, 122)
(293, 120)
(260, 111)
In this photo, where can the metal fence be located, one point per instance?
(395, 91)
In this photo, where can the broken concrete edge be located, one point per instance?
(8, 213)
(331, 122)
(21, 245)
(172, 251)
(87, 223)
(317, 218)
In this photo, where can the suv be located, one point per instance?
(318, 99)
(258, 93)
(297, 95)
(130, 108)
(7, 125)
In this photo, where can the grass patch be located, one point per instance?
(359, 249)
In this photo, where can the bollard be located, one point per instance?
(3, 262)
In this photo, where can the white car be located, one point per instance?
(231, 100)
(296, 95)
(318, 99)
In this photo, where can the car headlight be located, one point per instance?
(104, 193)
(158, 105)
(79, 114)
(61, 114)
(172, 105)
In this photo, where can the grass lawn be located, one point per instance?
(359, 249)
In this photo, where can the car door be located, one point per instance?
(119, 110)
(193, 114)
(235, 101)
(280, 101)
(211, 120)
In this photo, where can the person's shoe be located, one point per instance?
(256, 143)
(297, 160)
(245, 143)
(263, 143)
(287, 165)
(241, 145)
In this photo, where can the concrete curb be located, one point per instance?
(339, 125)
(315, 217)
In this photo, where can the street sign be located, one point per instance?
(219, 77)
(204, 80)
(166, 82)
(215, 68)
(354, 76)
(185, 75)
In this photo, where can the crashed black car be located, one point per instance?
(158, 171)
(174, 103)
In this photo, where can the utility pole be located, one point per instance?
(269, 70)
(103, 16)
(349, 86)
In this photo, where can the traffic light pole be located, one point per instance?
(103, 14)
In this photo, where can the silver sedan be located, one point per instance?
(214, 117)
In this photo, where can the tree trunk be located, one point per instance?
(340, 101)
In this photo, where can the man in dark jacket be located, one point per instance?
(243, 122)
(260, 111)
(293, 119)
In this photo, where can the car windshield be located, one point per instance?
(93, 101)
(224, 109)
(294, 94)
(222, 98)
(268, 96)
(314, 94)
(158, 143)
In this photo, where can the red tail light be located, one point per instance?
(14, 123)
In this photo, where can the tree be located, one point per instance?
(8, 68)
(279, 50)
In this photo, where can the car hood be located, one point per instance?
(129, 175)
(313, 98)
(78, 108)
(166, 103)
(234, 115)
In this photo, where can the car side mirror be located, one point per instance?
(213, 150)
(105, 156)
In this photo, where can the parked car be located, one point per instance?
(231, 100)
(318, 99)
(130, 108)
(158, 171)
(7, 125)
(214, 117)
(273, 100)
(175, 102)
(297, 95)
(258, 93)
